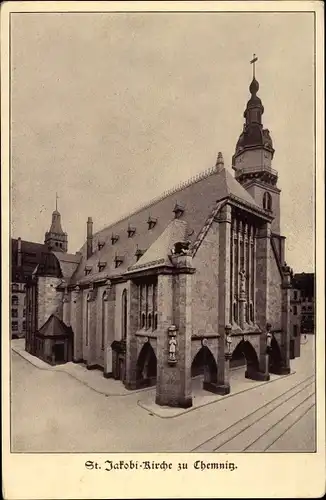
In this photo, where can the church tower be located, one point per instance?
(56, 239)
(252, 160)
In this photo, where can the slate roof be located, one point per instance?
(54, 327)
(159, 252)
(198, 198)
(68, 263)
(32, 254)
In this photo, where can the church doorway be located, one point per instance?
(146, 366)
(203, 369)
(245, 354)
(59, 353)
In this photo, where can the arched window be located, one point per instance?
(295, 310)
(124, 314)
(149, 321)
(251, 312)
(103, 315)
(143, 320)
(87, 317)
(235, 312)
(14, 300)
(267, 201)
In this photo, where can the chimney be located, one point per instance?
(89, 237)
(19, 252)
(219, 162)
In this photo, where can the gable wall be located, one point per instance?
(205, 285)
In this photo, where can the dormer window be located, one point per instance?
(88, 270)
(118, 259)
(114, 238)
(178, 210)
(151, 222)
(139, 253)
(131, 231)
(101, 265)
(100, 244)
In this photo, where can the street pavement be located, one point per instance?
(53, 411)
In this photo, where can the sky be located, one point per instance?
(110, 110)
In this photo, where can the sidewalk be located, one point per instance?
(91, 378)
(239, 384)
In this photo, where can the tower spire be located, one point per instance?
(56, 201)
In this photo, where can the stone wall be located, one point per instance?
(49, 299)
(206, 285)
(274, 311)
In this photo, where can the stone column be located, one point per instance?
(264, 355)
(110, 330)
(174, 297)
(76, 324)
(286, 320)
(263, 251)
(222, 386)
(131, 343)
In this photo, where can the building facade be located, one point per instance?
(191, 283)
(25, 256)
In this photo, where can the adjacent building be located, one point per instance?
(189, 283)
(25, 256)
(304, 283)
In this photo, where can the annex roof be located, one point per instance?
(54, 327)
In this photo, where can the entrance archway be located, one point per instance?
(275, 357)
(204, 364)
(146, 366)
(245, 353)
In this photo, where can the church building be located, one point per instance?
(194, 282)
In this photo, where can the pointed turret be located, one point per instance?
(56, 239)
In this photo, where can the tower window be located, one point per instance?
(267, 201)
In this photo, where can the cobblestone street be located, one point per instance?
(52, 411)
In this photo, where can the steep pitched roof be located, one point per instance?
(159, 251)
(198, 197)
(31, 255)
(68, 263)
(54, 327)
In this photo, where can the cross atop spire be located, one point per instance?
(253, 61)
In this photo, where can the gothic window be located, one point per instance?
(14, 325)
(14, 300)
(267, 201)
(235, 312)
(87, 317)
(295, 330)
(124, 314)
(24, 325)
(151, 222)
(148, 304)
(251, 312)
(14, 313)
(242, 267)
(103, 315)
(295, 310)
